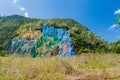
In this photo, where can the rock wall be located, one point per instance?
(53, 40)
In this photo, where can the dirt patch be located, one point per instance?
(96, 74)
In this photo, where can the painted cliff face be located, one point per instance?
(54, 41)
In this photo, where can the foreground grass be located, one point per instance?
(82, 67)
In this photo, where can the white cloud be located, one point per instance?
(26, 14)
(21, 8)
(113, 26)
(117, 11)
(14, 1)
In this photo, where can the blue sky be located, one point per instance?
(97, 15)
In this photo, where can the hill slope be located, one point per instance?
(83, 40)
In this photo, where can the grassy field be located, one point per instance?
(82, 67)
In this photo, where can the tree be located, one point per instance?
(118, 18)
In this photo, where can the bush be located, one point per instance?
(3, 53)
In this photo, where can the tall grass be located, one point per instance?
(85, 66)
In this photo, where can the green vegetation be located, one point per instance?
(115, 47)
(87, 66)
(82, 67)
(118, 18)
(83, 40)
